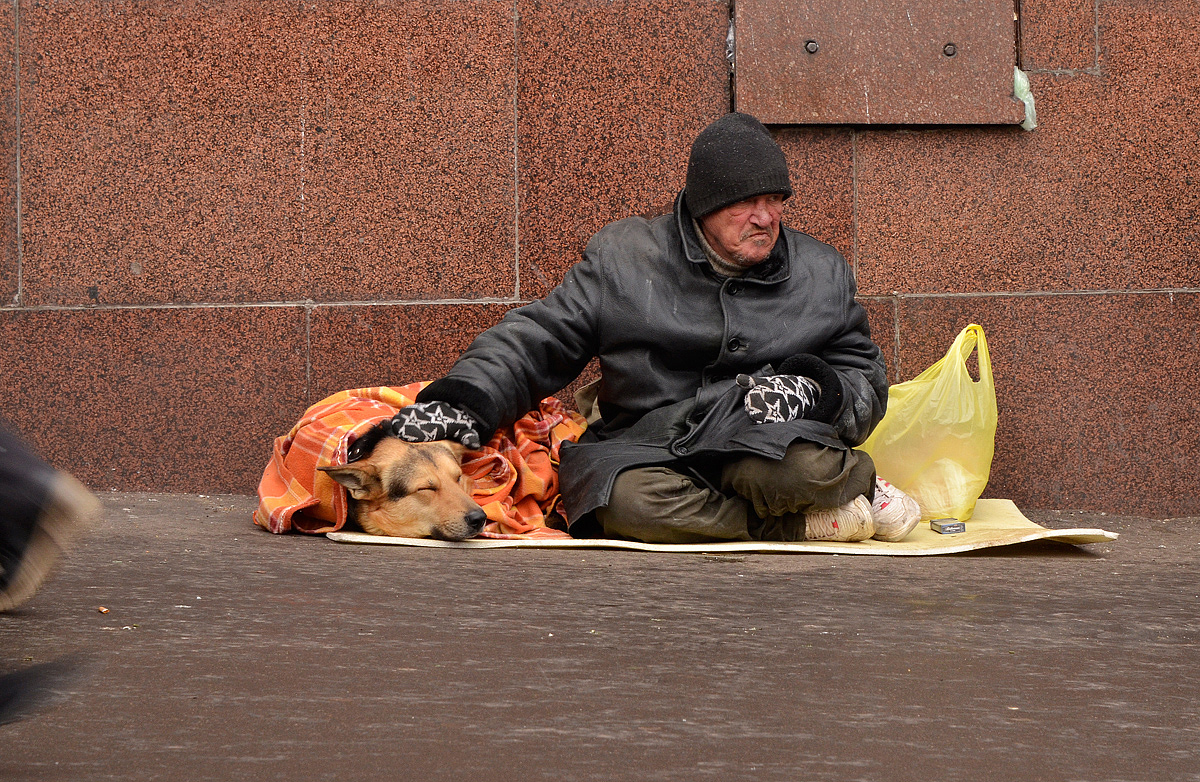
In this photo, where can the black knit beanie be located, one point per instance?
(733, 159)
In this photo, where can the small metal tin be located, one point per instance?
(947, 526)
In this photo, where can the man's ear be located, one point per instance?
(361, 480)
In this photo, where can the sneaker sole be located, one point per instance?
(852, 533)
(68, 509)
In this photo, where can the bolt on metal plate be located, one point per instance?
(876, 61)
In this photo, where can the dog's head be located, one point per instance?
(411, 490)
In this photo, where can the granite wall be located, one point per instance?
(215, 213)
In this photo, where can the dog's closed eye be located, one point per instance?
(399, 490)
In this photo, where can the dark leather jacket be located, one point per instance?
(671, 336)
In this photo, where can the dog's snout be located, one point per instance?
(471, 525)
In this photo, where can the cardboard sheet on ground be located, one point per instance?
(995, 523)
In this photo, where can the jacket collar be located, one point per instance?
(775, 269)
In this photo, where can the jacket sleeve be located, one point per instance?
(534, 351)
(860, 365)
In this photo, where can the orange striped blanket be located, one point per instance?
(515, 474)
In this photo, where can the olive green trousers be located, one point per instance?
(758, 499)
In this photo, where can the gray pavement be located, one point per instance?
(228, 653)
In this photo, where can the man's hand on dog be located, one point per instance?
(426, 422)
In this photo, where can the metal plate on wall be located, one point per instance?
(876, 61)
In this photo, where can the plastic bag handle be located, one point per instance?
(969, 339)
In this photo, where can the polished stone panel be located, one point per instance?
(821, 164)
(1058, 34)
(362, 345)
(1097, 393)
(881, 314)
(163, 399)
(410, 184)
(10, 263)
(161, 151)
(610, 97)
(1103, 195)
(938, 62)
(268, 151)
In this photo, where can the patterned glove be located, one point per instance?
(425, 422)
(779, 398)
(829, 406)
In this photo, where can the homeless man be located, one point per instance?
(737, 369)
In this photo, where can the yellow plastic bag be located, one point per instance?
(939, 434)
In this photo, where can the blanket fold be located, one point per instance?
(515, 474)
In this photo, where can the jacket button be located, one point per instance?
(734, 289)
(735, 344)
(682, 449)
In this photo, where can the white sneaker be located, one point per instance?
(850, 523)
(895, 513)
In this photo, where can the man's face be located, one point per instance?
(744, 233)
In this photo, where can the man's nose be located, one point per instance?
(761, 214)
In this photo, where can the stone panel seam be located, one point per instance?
(896, 351)
(1018, 33)
(308, 310)
(258, 304)
(731, 56)
(420, 302)
(854, 201)
(1031, 294)
(516, 302)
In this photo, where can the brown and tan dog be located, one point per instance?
(410, 490)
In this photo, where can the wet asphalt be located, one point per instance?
(228, 653)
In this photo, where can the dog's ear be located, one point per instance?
(458, 449)
(361, 479)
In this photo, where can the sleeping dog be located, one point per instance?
(408, 490)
